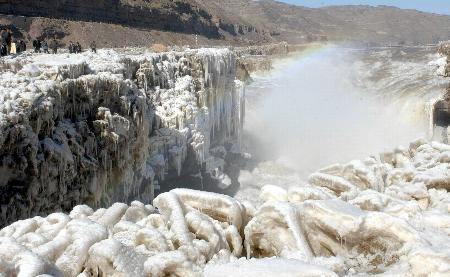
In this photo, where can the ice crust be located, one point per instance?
(107, 127)
(383, 216)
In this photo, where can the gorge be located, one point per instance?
(91, 145)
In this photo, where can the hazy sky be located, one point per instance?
(436, 6)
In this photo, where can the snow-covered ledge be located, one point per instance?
(107, 127)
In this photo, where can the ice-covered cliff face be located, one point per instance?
(107, 127)
(386, 216)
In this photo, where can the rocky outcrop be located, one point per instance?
(260, 58)
(97, 129)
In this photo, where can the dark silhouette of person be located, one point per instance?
(37, 45)
(18, 46)
(94, 46)
(54, 46)
(3, 49)
(9, 39)
(3, 42)
(21, 46)
(45, 47)
(78, 47)
(71, 47)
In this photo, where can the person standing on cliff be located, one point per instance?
(3, 49)
(78, 47)
(54, 46)
(37, 46)
(23, 45)
(71, 47)
(94, 46)
(18, 46)
(45, 47)
(3, 37)
(9, 39)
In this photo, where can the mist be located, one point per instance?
(317, 109)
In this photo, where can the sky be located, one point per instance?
(436, 6)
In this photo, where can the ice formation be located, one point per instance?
(94, 129)
(385, 216)
(107, 127)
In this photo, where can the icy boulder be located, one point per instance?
(106, 127)
(276, 231)
(191, 229)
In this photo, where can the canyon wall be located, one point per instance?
(175, 16)
(97, 129)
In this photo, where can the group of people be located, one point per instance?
(74, 48)
(42, 46)
(7, 46)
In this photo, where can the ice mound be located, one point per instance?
(385, 216)
(187, 230)
(110, 127)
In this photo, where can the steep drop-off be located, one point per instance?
(97, 129)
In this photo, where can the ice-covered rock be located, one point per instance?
(106, 127)
(386, 216)
(189, 229)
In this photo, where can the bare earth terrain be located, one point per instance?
(237, 22)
